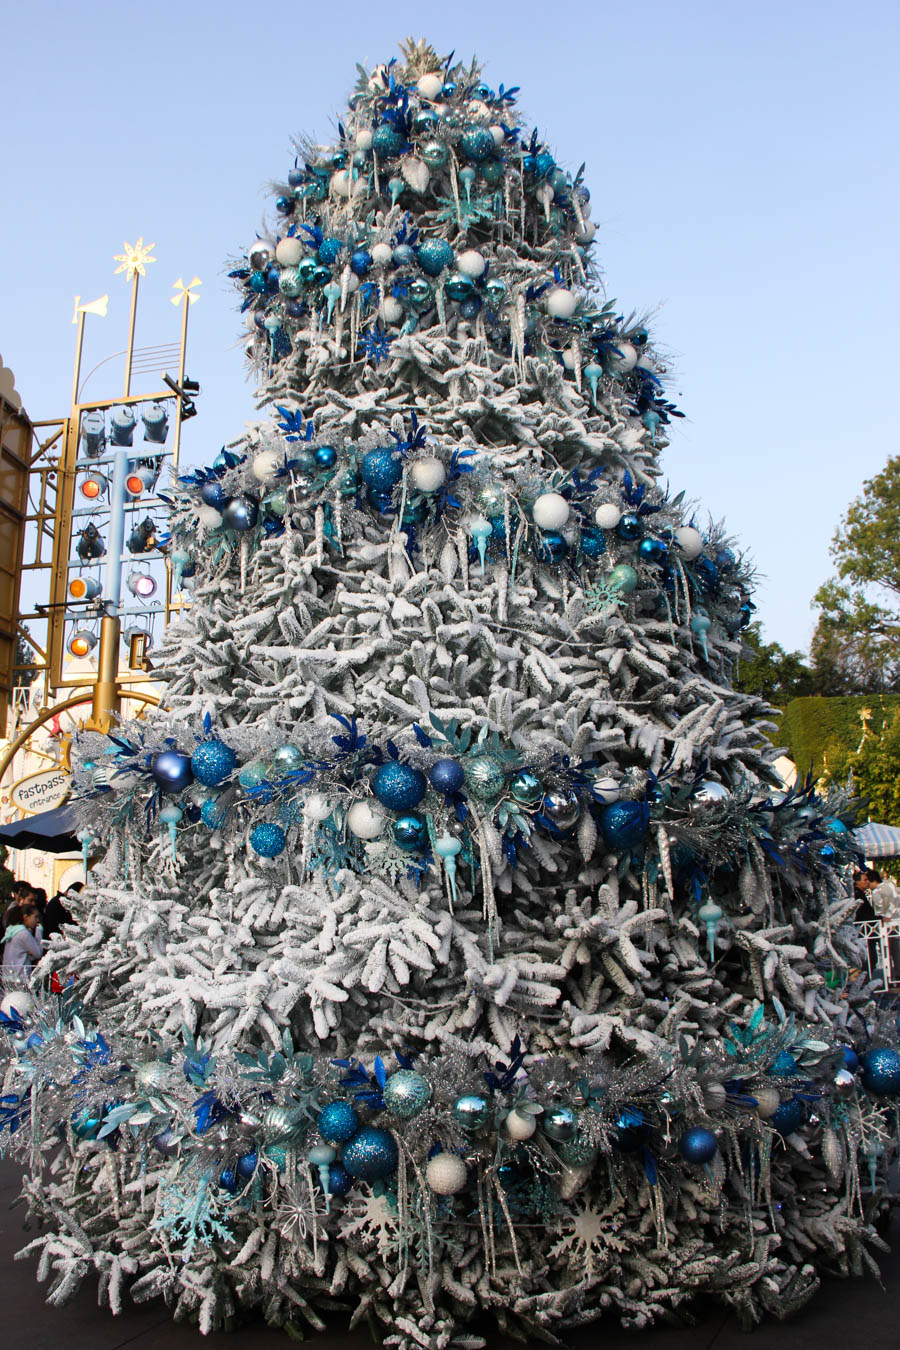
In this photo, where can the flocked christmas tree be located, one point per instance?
(453, 952)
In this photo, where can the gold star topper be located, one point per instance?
(134, 260)
(183, 291)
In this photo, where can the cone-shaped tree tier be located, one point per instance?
(454, 949)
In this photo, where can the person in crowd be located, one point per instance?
(38, 900)
(56, 914)
(21, 948)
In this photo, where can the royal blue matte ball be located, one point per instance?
(213, 494)
(881, 1072)
(789, 1116)
(698, 1145)
(410, 833)
(446, 775)
(172, 771)
(268, 840)
(433, 256)
(371, 1154)
(625, 823)
(338, 1122)
(360, 261)
(399, 787)
(246, 1165)
(339, 1180)
(212, 762)
(381, 469)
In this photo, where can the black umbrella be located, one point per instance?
(51, 831)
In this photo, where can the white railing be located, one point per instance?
(882, 939)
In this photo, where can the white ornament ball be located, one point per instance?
(607, 516)
(561, 304)
(767, 1102)
(446, 1174)
(550, 511)
(264, 465)
(625, 357)
(606, 790)
(209, 517)
(690, 541)
(353, 282)
(381, 254)
(498, 134)
(428, 474)
(391, 310)
(520, 1124)
(19, 999)
(586, 236)
(288, 252)
(471, 263)
(317, 806)
(364, 138)
(343, 184)
(364, 821)
(429, 86)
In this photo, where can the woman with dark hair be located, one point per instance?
(56, 914)
(20, 946)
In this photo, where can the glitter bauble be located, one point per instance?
(446, 775)
(381, 469)
(881, 1072)
(484, 776)
(525, 787)
(268, 840)
(406, 1093)
(212, 762)
(471, 1111)
(387, 142)
(559, 1123)
(562, 808)
(789, 1116)
(433, 256)
(337, 1122)
(783, 1066)
(698, 1145)
(397, 786)
(624, 824)
(477, 144)
(371, 1154)
(446, 1174)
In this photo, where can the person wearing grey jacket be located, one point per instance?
(21, 948)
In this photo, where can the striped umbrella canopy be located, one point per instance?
(878, 841)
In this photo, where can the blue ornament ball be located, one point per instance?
(434, 255)
(213, 814)
(268, 839)
(881, 1072)
(381, 469)
(592, 543)
(213, 494)
(338, 1122)
(477, 144)
(784, 1065)
(326, 456)
(228, 1180)
(240, 514)
(371, 1154)
(246, 1165)
(410, 833)
(446, 775)
(789, 1116)
(471, 1111)
(172, 771)
(387, 142)
(698, 1145)
(339, 1180)
(552, 546)
(360, 261)
(625, 823)
(212, 762)
(406, 1093)
(851, 1058)
(329, 251)
(397, 786)
(630, 526)
(653, 551)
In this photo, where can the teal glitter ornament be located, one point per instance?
(387, 142)
(491, 170)
(471, 1111)
(268, 840)
(476, 144)
(212, 762)
(338, 1122)
(433, 256)
(213, 813)
(397, 786)
(559, 1123)
(371, 1155)
(624, 824)
(525, 787)
(880, 1070)
(329, 251)
(253, 776)
(484, 776)
(406, 1093)
(410, 833)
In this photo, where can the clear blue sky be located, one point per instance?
(742, 162)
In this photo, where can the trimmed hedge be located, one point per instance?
(812, 727)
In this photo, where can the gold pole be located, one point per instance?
(106, 703)
(129, 354)
(79, 344)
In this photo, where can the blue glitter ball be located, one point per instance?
(339, 1180)
(470, 307)
(698, 1145)
(213, 494)
(406, 1093)
(625, 823)
(329, 251)
(381, 469)
(337, 1122)
(258, 282)
(477, 143)
(212, 762)
(706, 572)
(783, 1066)
(552, 547)
(228, 1180)
(410, 833)
(268, 840)
(433, 256)
(213, 814)
(399, 787)
(881, 1072)
(371, 1154)
(592, 543)
(446, 775)
(653, 551)
(326, 456)
(387, 142)
(246, 1165)
(789, 1116)
(851, 1058)
(544, 163)
(630, 526)
(360, 261)
(171, 771)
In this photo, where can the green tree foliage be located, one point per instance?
(776, 675)
(856, 645)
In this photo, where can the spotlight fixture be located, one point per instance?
(142, 476)
(90, 545)
(141, 584)
(136, 634)
(84, 588)
(121, 425)
(93, 486)
(82, 642)
(156, 423)
(143, 537)
(93, 434)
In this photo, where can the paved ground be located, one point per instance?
(846, 1315)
